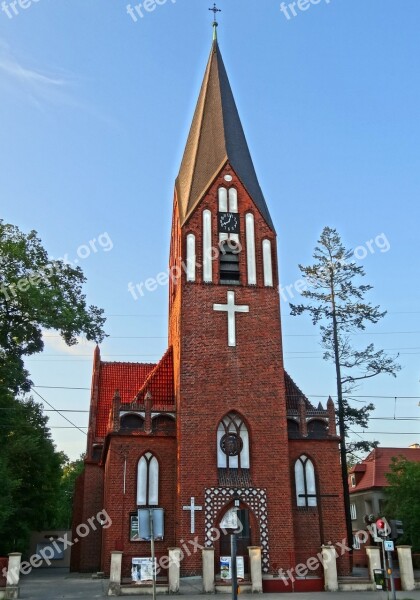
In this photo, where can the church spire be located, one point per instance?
(216, 137)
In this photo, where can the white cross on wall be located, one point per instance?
(231, 310)
(193, 508)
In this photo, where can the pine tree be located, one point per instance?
(337, 305)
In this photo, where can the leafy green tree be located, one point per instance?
(403, 498)
(37, 294)
(31, 470)
(64, 511)
(337, 305)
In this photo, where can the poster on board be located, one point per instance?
(226, 571)
(142, 569)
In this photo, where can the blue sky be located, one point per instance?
(94, 116)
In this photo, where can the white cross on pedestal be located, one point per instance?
(192, 508)
(231, 310)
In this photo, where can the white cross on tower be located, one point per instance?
(192, 508)
(231, 310)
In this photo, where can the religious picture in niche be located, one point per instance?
(228, 222)
(231, 444)
(230, 519)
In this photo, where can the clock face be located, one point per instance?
(228, 222)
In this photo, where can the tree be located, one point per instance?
(403, 498)
(37, 294)
(30, 471)
(337, 305)
(64, 511)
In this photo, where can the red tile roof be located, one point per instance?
(377, 465)
(294, 394)
(132, 380)
(160, 383)
(125, 377)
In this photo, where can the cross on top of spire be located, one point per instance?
(215, 10)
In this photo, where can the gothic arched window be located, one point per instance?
(232, 443)
(148, 480)
(305, 482)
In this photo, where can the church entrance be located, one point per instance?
(244, 538)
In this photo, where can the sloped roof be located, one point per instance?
(216, 137)
(133, 380)
(127, 378)
(160, 382)
(377, 464)
(294, 394)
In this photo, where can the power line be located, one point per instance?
(56, 387)
(162, 337)
(387, 432)
(57, 411)
(49, 410)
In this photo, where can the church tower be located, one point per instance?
(226, 333)
(216, 429)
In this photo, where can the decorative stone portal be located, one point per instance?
(256, 498)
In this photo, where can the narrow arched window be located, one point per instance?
(306, 494)
(191, 257)
(232, 443)
(148, 480)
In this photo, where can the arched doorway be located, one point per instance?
(247, 534)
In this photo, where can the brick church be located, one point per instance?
(217, 423)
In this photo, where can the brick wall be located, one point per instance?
(326, 523)
(215, 380)
(119, 505)
(86, 552)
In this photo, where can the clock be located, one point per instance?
(228, 222)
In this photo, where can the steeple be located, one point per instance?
(216, 137)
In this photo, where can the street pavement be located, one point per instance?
(58, 584)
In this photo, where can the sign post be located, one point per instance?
(234, 570)
(152, 547)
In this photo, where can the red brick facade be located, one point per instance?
(174, 410)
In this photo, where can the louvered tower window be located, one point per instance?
(229, 262)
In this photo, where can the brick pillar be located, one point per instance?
(332, 426)
(329, 563)
(256, 568)
(148, 400)
(303, 425)
(208, 570)
(405, 559)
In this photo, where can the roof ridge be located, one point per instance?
(137, 364)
